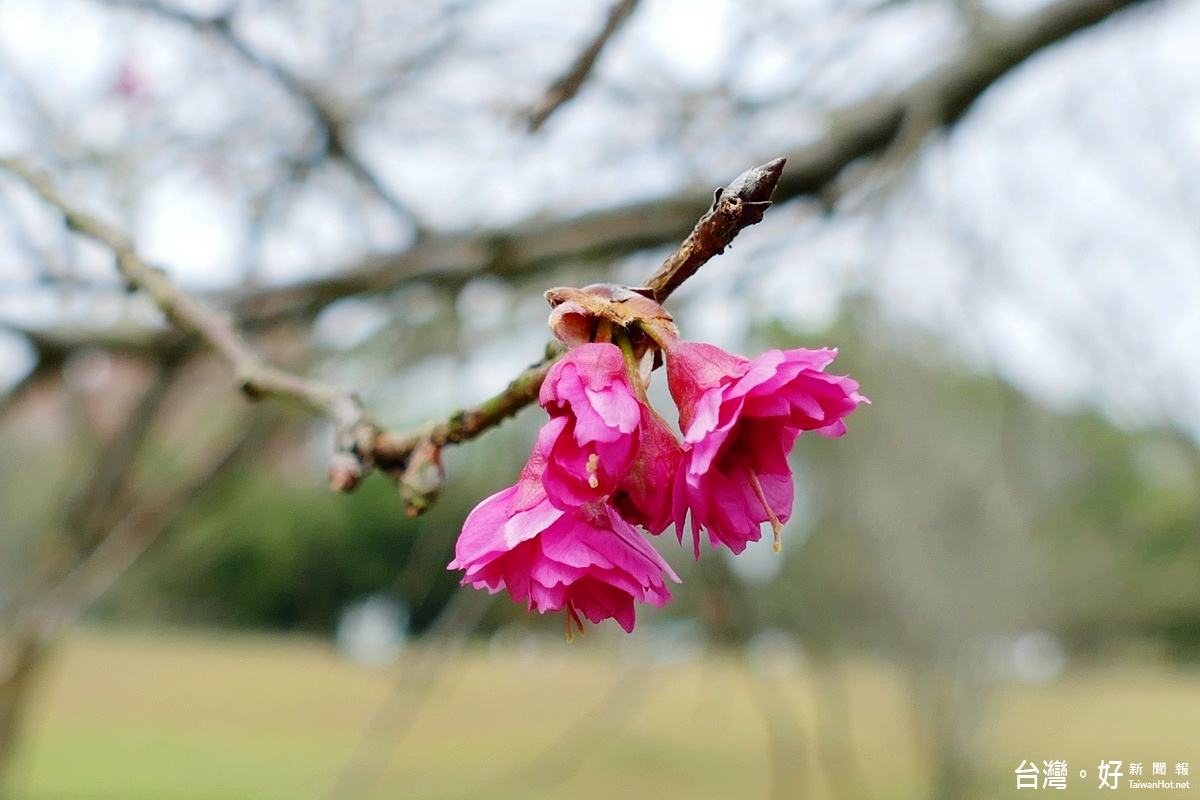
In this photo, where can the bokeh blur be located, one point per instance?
(990, 208)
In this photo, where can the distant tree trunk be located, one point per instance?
(24, 657)
(835, 735)
(945, 721)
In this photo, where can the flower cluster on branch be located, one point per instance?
(566, 536)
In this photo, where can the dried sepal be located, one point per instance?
(580, 316)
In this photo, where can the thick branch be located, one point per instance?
(527, 248)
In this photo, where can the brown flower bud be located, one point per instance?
(345, 472)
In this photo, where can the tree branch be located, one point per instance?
(856, 132)
(566, 87)
(331, 126)
(413, 458)
(253, 376)
(861, 131)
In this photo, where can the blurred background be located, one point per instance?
(990, 208)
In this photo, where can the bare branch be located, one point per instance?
(865, 130)
(566, 87)
(737, 206)
(53, 345)
(414, 458)
(527, 248)
(331, 125)
(254, 376)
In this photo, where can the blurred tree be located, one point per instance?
(993, 515)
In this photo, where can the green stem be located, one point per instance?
(632, 368)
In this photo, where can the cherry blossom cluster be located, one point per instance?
(566, 536)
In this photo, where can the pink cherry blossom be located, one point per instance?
(740, 419)
(593, 433)
(585, 559)
(603, 441)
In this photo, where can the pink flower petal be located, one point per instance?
(586, 559)
(740, 419)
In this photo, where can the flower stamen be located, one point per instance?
(776, 525)
(593, 465)
(574, 623)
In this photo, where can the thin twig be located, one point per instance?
(567, 86)
(332, 125)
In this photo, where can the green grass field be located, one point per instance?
(129, 716)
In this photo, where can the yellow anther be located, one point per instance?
(593, 464)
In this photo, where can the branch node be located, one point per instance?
(248, 385)
(422, 481)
